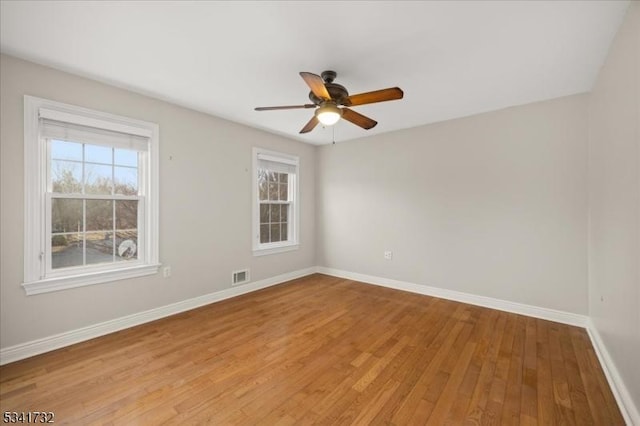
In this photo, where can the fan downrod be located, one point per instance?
(328, 76)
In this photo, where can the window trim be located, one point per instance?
(35, 200)
(262, 249)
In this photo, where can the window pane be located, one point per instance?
(61, 150)
(262, 185)
(99, 215)
(264, 213)
(283, 232)
(99, 247)
(275, 232)
(275, 213)
(272, 176)
(264, 233)
(125, 180)
(262, 190)
(66, 215)
(126, 215)
(273, 190)
(284, 178)
(125, 157)
(126, 244)
(98, 154)
(66, 250)
(284, 191)
(66, 177)
(284, 212)
(97, 179)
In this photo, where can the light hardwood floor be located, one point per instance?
(322, 350)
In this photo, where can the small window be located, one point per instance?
(91, 197)
(275, 205)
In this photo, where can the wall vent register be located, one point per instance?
(240, 277)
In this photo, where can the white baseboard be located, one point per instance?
(472, 299)
(39, 346)
(629, 410)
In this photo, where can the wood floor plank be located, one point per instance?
(599, 399)
(576, 388)
(322, 350)
(447, 397)
(480, 395)
(427, 329)
(438, 353)
(481, 334)
(370, 411)
(544, 380)
(529, 397)
(511, 410)
(564, 408)
(497, 392)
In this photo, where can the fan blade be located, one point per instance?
(316, 84)
(358, 119)
(273, 108)
(383, 95)
(310, 125)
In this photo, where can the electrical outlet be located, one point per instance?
(388, 255)
(166, 271)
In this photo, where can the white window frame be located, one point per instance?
(37, 200)
(293, 243)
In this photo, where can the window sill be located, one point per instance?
(62, 283)
(273, 250)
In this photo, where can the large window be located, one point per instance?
(91, 197)
(275, 202)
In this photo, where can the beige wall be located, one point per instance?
(492, 205)
(614, 204)
(205, 210)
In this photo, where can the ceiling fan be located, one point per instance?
(331, 101)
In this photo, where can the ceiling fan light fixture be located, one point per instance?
(328, 114)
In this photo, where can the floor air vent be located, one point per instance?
(240, 277)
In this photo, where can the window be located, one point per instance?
(91, 186)
(275, 202)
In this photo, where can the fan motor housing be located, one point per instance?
(337, 92)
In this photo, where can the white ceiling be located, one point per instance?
(452, 59)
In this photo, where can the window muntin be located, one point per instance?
(275, 202)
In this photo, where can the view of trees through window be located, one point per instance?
(273, 189)
(94, 204)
